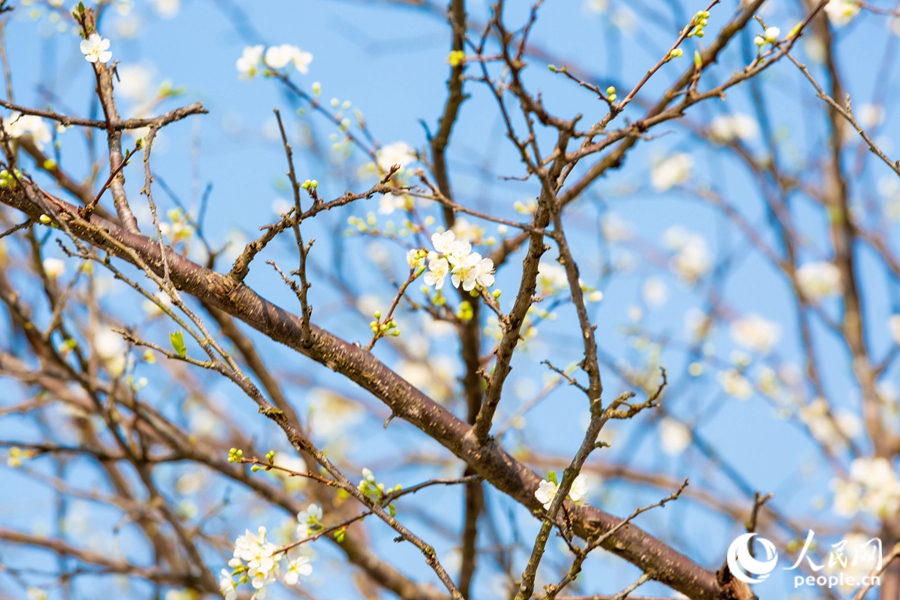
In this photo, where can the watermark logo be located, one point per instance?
(850, 563)
(744, 566)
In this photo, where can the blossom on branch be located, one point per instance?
(95, 49)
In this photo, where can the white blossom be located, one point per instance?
(296, 568)
(227, 585)
(579, 489)
(671, 172)
(616, 229)
(818, 280)
(894, 327)
(54, 267)
(841, 12)
(547, 490)
(735, 384)
(134, 83)
(466, 231)
(655, 292)
(95, 49)
(674, 436)
(755, 333)
(167, 8)
(438, 269)
(312, 514)
(19, 125)
(279, 57)
(467, 271)
(551, 279)
(260, 557)
(398, 153)
(873, 487)
(249, 62)
(691, 258)
(726, 128)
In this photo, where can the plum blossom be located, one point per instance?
(547, 490)
(227, 585)
(755, 333)
(296, 568)
(551, 279)
(54, 267)
(260, 558)
(818, 280)
(726, 128)
(455, 257)
(312, 515)
(735, 384)
(250, 61)
(691, 258)
(398, 153)
(438, 269)
(95, 49)
(19, 125)
(873, 487)
(655, 292)
(674, 436)
(467, 231)
(279, 57)
(841, 12)
(671, 172)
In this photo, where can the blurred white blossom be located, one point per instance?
(398, 153)
(672, 171)
(735, 384)
(873, 487)
(691, 258)
(167, 9)
(841, 12)
(18, 125)
(551, 279)
(250, 61)
(655, 292)
(726, 128)
(755, 333)
(818, 280)
(674, 436)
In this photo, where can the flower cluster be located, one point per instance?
(95, 49)
(873, 487)
(818, 280)
(691, 258)
(755, 333)
(548, 488)
(275, 58)
(20, 126)
(735, 384)
(841, 12)
(375, 491)
(455, 258)
(257, 561)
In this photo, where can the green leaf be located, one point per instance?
(177, 339)
(551, 477)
